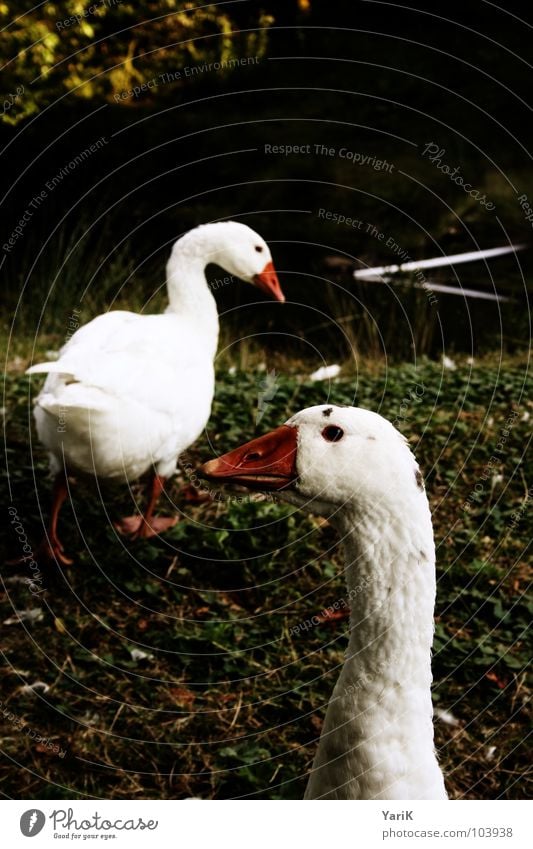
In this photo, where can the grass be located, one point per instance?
(108, 261)
(223, 701)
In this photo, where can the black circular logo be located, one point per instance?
(32, 822)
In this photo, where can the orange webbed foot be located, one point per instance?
(137, 527)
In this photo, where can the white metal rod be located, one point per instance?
(450, 290)
(437, 262)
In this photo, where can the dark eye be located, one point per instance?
(259, 248)
(333, 433)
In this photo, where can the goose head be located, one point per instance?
(235, 247)
(353, 467)
(327, 460)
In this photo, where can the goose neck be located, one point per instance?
(188, 290)
(377, 739)
(390, 578)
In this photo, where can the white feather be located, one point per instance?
(377, 738)
(130, 391)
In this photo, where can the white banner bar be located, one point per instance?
(266, 825)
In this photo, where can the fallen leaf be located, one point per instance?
(317, 722)
(333, 615)
(446, 717)
(491, 676)
(182, 696)
(227, 697)
(35, 687)
(137, 654)
(33, 615)
(46, 750)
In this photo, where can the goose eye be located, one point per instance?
(332, 433)
(259, 249)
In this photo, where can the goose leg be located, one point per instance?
(147, 525)
(51, 548)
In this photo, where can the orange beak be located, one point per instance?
(268, 282)
(265, 463)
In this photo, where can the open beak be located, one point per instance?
(265, 463)
(268, 282)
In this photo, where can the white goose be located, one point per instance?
(130, 392)
(354, 468)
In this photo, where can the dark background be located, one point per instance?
(377, 78)
(224, 703)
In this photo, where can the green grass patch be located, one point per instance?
(224, 702)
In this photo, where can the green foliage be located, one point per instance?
(226, 701)
(113, 51)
